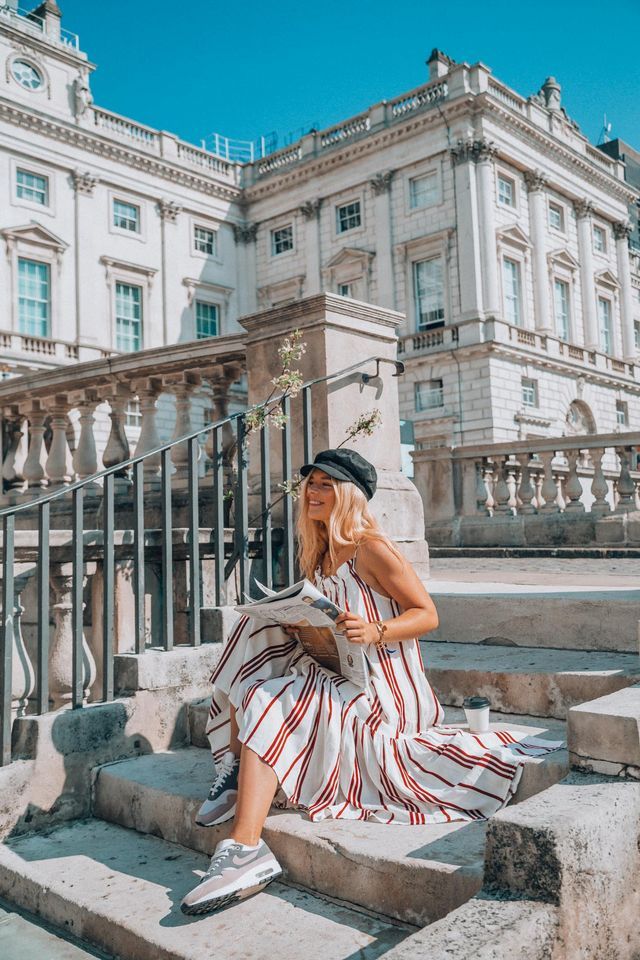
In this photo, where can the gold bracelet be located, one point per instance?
(382, 629)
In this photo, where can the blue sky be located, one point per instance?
(247, 69)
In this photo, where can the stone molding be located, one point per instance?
(381, 183)
(475, 151)
(310, 209)
(535, 180)
(169, 210)
(583, 208)
(85, 182)
(194, 285)
(244, 234)
(622, 230)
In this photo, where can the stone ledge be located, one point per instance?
(156, 669)
(604, 734)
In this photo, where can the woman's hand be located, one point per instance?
(290, 629)
(356, 629)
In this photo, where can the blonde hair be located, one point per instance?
(350, 522)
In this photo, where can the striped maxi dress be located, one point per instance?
(386, 757)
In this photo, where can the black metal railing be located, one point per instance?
(104, 548)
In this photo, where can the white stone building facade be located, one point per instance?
(487, 218)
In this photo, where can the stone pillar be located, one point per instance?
(381, 186)
(622, 232)
(584, 209)
(338, 333)
(486, 211)
(245, 238)
(469, 264)
(536, 183)
(310, 211)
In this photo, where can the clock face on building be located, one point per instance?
(26, 75)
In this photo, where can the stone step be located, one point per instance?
(23, 938)
(567, 616)
(526, 680)
(121, 892)
(415, 874)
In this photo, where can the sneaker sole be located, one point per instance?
(219, 903)
(229, 815)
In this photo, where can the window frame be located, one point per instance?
(47, 335)
(273, 242)
(439, 321)
(502, 174)
(433, 174)
(601, 298)
(431, 391)
(127, 282)
(566, 283)
(37, 170)
(212, 304)
(528, 384)
(622, 407)
(195, 226)
(120, 197)
(562, 210)
(507, 257)
(600, 228)
(343, 205)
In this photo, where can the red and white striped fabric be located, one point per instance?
(338, 753)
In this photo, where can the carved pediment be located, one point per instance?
(348, 255)
(607, 279)
(514, 235)
(284, 291)
(563, 258)
(34, 234)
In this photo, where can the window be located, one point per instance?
(126, 216)
(636, 334)
(529, 392)
(281, 240)
(429, 293)
(622, 414)
(423, 191)
(561, 308)
(556, 217)
(206, 320)
(512, 291)
(599, 239)
(204, 240)
(429, 395)
(133, 414)
(506, 191)
(32, 187)
(34, 297)
(26, 75)
(128, 317)
(344, 289)
(348, 216)
(604, 319)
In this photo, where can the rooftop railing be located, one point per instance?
(28, 21)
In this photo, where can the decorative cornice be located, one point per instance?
(310, 209)
(381, 183)
(531, 420)
(622, 230)
(583, 208)
(169, 210)
(535, 180)
(84, 139)
(246, 233)
(84, 182)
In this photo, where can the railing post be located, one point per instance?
(599, 486)
(117, 448)
(57, 467)
(625, 486)
(572, 486)
(85, 460)
(34, 466)
(549, 489)
(527, 491)
(149, 438)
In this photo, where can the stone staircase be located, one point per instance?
(349, 889)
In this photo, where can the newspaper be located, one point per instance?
(314, 616)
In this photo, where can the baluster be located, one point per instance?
(34, 466)
(149, 438)
(526, 491)
(57, 465)
(61, 655)
(23, 679)
(501, 491)
(85, 458)
(625, 485)
(511, 474)
(572, 486)
(117, 448)
(489, 481)
(481, 488)
(549, 489)
(183, 392)
(599, 485)
(14, 461)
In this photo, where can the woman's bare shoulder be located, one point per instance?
(376, 553)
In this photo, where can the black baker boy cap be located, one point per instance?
(345, 464)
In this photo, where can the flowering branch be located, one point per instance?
(287, 383)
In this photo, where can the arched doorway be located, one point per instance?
(579, 420)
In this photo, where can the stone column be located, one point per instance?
(168, 211)
(338, 333)
(536, 183)
(469, 263)
(245, 238)
(485, 152)
(310, 211)
(622, 232)
(584, 209)
(381, 186)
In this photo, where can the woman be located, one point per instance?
(278, 718)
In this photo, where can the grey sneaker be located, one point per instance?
(235, 872)
(220, 805)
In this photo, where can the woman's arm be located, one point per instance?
(393, 576)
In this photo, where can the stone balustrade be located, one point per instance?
(60, 428)
(581, 490)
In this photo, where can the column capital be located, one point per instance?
(84, 182)
(245, 233)
(484, 151)
(583, 208)
(381, 183)
(622, 230)
(535, 180)
(310, 209)
(169, 210)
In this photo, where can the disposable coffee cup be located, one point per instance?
(477, 712)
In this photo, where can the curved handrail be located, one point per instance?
(124, 464)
